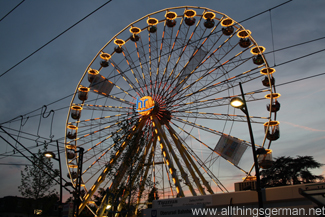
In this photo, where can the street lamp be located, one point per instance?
(237, 102)
(50, 154)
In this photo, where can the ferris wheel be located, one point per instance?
(152, 109)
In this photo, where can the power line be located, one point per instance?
(291, 46)
(8, 164)
(11, 10)
(53, 39)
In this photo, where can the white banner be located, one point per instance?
(230, 148)
(101, 85)
(205, 200)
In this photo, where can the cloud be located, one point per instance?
(303, 127)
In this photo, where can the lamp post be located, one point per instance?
(237, 102)
(50, 154)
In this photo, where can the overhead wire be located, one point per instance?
(270, 52)
(8, 70)
(289, 82)
(242, 21)
(11, 10)
(97, 10)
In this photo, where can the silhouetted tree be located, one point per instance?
(153, 195)
(35, 183)
(291, 171)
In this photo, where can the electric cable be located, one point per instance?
(11, 10)
(53, 39)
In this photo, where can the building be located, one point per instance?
(294, 200)
(13, 206)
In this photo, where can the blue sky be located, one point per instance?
(53, 72)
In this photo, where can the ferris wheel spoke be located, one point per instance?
(148, 164)
(166, 149)
(153, 59)
(192, 61)
(189, 148)
(161, 58)
(189, 162)
(104, 108)
(134, 70)
(181, 33)
(143, 63)
(124, 76)
(217, 88)
(131, 180)
(96, 121)
(191, 154)
(108, 167)
(206, 129)
(216, 102)
(114, 98)
(184, 77)
(217, 116)
(210, 76)
(93, 132)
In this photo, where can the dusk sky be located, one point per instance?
(50, 76)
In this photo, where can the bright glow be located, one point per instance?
(190, 13)
(171, 15)
(145, 105)
(49, 154)
(108, 206)
(237, 102)
(152, 21)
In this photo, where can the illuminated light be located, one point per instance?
(145, 105)
(83, 89)
(135, 30)
(158, 138)
(157, 133)
(105, 170)
(123, 144)
(93, 72)
(72, 127)
(87, 196)
(171, 170)
(225, 62)
(164, 153)
(257, 50)
(237, 102)
(153, 124)
(249, 178)
(73, 166)
(209, 15)
(100, 178)
(76, 108)
(271, 123)
(171, 15)
(264, 71)
(227, 22)
(167, 161)
(92, 188)
(161, 146)
(152, 21)
(105, 56)
(108, 206)
(190, 13)
(174, 180)
(273, 95)
(119, 42)
(177, 190)
(244, 33)
(111, 161)
(71, 147)
(117, 153)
